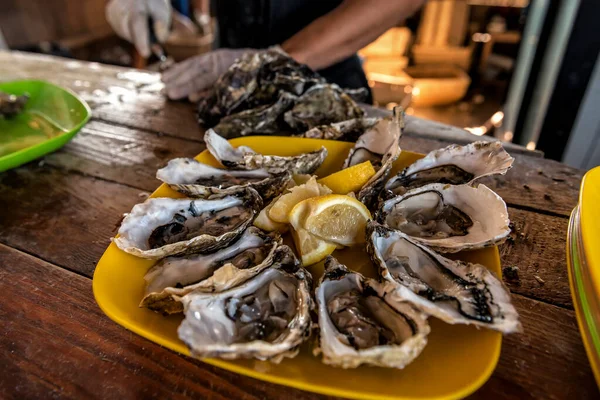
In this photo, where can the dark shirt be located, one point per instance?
(262, 23)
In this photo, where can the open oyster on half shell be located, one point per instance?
(196, 179)
(379, 145)
(456, 292)
(453, 165)
(267, 317)
(161, 227)
(209, 272)
(448, 218)
(362, 321)
(244, 157)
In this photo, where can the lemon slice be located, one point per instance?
(264, 222)
(348, 180)
(311, 249)
(334, 218)
(281, 208)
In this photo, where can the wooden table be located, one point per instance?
(57, 215)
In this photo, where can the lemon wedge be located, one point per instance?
(282, 207)
(311, 249)
(334, 218)
(264, 222)
(348, 180)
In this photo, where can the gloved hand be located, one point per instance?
(129, 19)
(193, 76)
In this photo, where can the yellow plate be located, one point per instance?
(583, 260)
(456, 362)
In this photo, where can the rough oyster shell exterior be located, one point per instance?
(245, 158)
(181, 174)
(222, 277)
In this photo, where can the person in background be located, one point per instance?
(324, 34)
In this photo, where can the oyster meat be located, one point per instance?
(196, 179)
(267, 317)
(161, 227)
(212, 272)
(453, 165)
(319, 105)
(448, 218)
(380, 145)
(244, 157)
(361, 323)
(456, 292)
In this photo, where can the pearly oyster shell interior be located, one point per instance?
(448, 218)
(267, 317)
(455, 291)
(360, 323)
(161, 227)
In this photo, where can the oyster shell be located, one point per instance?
(453, 165)
(161, 227)
(448, 218)
(261, 120)
(348, 131)
(380, 145)
(244, 157)
(321, 104)
(196, 179)
(11, 105)
(456, 292)
(213, 272)
(267, 317)
(362, 321)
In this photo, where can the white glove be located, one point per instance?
(193, 76)
(129, 19)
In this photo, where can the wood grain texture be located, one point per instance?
(546, 361)
(55, 342)
(65, 218)
(123, 155)
(537, 247)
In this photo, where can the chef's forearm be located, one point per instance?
(347, 29)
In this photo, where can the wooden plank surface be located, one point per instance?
(55, 342)
(63, 209)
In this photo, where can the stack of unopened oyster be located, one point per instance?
(244, 294)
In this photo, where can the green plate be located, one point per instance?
(52, 116)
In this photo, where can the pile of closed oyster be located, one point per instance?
(244, 294)
(269, 93)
